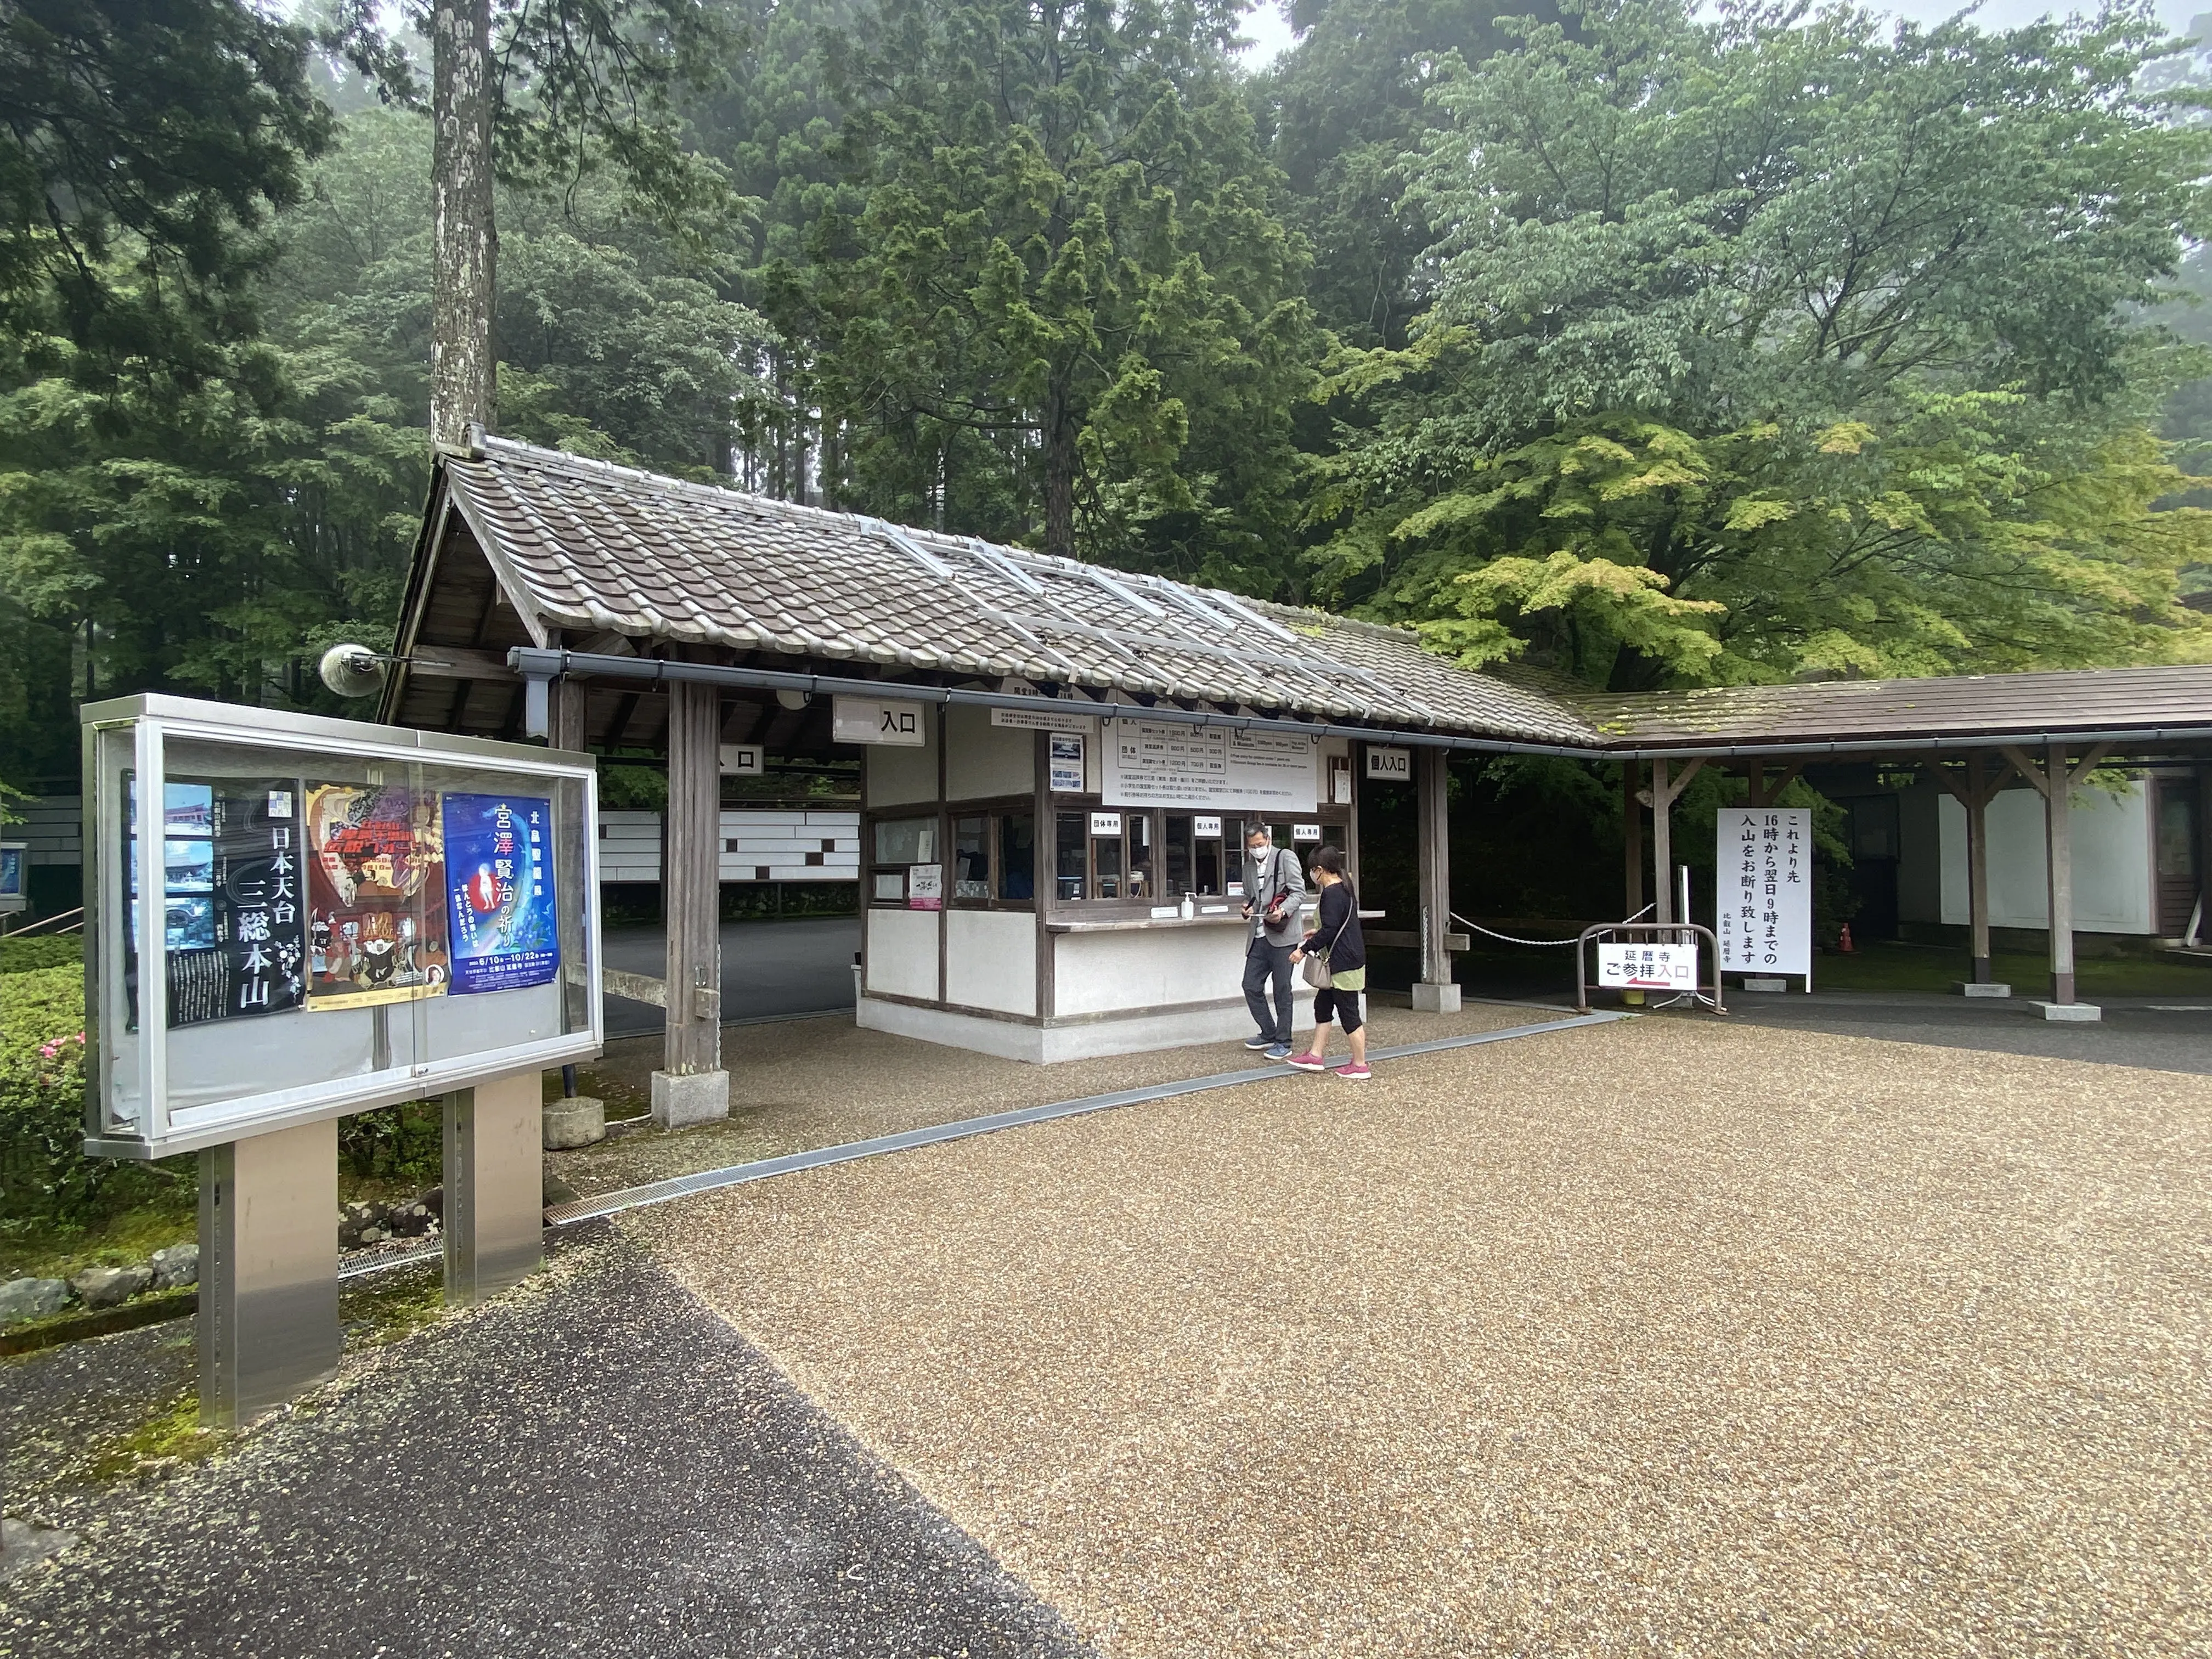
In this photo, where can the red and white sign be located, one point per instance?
(1647, 967)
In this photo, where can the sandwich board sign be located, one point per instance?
(1647, 967)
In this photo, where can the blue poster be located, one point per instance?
(499, 892)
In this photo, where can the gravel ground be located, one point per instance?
(2171, 1033)
(804, 1084)
(1656, 1337)
(58, 1400)
(592, 1466)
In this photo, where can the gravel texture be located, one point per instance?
(1656, 1337)
(2169, 1033)
(593, 1465)
(805, 1083)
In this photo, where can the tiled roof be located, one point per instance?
(1999, 706)
(585, 545)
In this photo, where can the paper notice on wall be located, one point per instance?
(1159, 764)
(1764, 907)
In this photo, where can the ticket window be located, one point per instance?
(1107, 870)
(1071, 859)
(1192, 851)
(971, 858)
(1144, 863)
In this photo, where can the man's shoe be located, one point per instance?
(1354, 1074)
(1278, 1051)
(1256, 1043)
(1310, 1062)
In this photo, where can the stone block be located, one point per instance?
(1430, 998)
(681, 1099)
(1757, 983)
(1983, 987)
(579, 1121)
(31, 1298)
(2069, 1011)
(176, 1266)
(107, 1287)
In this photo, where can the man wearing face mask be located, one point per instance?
(1274, 890)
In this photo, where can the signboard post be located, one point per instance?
(1763, 910)
(289, 919)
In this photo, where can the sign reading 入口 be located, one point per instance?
(744, 760)
(1764, 913)
(879, 721)
(1648, 967)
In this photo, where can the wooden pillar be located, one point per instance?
(692, 1087)
(1662, 842)
(1632, 838)
(1976, 803)
(2203, 851)
(571, 731)
(1437, 992)
(2058, 848)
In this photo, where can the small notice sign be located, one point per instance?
(1063, 755)
(1044, 720)
(877, 721)
(925, 887)
(1305, 832)
(1390, 765)
(1648, 967)
(1105, 823)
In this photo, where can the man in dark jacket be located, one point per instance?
(1274, 896)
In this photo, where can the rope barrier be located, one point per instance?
(1511, 940)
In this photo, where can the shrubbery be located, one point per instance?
(24, 956)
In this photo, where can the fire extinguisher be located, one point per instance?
(1844, 942)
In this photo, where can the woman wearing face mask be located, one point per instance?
(1335, 937)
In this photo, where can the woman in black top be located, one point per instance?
(1336, 934)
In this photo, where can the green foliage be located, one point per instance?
(404, 1145)
(44, 1173)
(1067, 312)
(1769, 345)
(40, 951)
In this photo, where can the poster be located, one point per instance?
(1765, 908)
(1064, 754)
(376, 885)
(499, 891)
(1158, 763)
(233, 922)
(925, 887)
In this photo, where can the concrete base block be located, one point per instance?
(1430, 998)
(1074, 1039)
(1756, 984)
(1983, 987)
(2075, 1011)
(678, 1101)
(580, 1122)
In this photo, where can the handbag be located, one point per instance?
(1316, 966)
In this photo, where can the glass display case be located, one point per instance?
(291, 918)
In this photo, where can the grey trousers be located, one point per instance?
(1263, 962)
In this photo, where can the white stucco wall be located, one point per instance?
(901, 948)
(982, 759)
(990, 958)
(1167, 967)
(895, 776)
(2112, 884)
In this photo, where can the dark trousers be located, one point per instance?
(1263, 962)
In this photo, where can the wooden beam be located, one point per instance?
(458, 662)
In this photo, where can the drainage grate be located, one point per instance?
(660, 1192)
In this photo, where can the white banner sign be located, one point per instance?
(1765, 902)
(871, 720)
(744, 760)
(1647, 967)
(1044, 720)
(1154, 764)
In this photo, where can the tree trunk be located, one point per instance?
(1059, 475)
(463, 241)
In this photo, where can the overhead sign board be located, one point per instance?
(1763, 913)
(1648, 967)
(323, 916)
(897, 723)
(1391, 765)
(1044, 720)
(744, 760)
(1162, 763)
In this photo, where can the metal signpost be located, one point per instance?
(290, 919)
(1667, 962)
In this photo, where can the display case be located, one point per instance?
(291, 918)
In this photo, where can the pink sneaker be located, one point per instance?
(1309, 1062)
(1352, 1073)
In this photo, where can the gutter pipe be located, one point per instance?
(540, 667)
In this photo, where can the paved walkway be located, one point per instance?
(770, 969)
(2165, 1033)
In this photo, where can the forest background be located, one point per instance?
(1632, 345)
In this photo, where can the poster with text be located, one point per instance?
(231, 890)
(1158, 763)
(1764, 907)
(376, 890)
(499, 892)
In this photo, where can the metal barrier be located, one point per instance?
(1582, 957)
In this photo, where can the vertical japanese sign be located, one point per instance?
(233, 920)
(500, 891)
(1764, 907)
(376, 886)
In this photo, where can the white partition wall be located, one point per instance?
(2113, 882)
